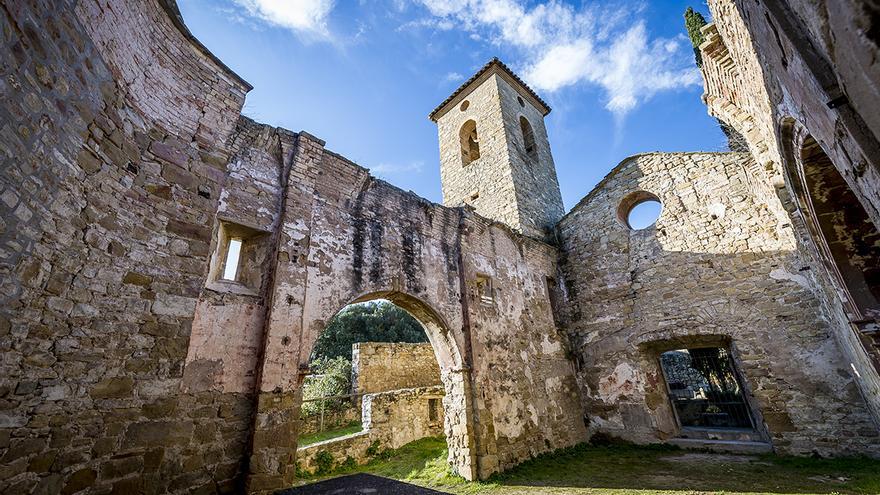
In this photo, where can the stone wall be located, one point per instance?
(390, 420)
(779, 72)
(721, 268)
(112, 168)
(381, 366)
(348, 237)
(130, 365)
(332, 419)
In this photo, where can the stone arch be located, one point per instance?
(470, 142)
(454, 375)
(839, 226)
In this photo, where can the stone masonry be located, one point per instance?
(390, 420)
(381, 366)
(129, 364)
(506, 183)
(789, 72)
(719, 267)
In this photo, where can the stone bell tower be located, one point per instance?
(494, 152)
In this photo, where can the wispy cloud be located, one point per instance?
(563, 45)
(386, 169)
(453, 77)
(305, 17)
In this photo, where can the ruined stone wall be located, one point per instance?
(112, 167)
(381, 366)
(391, 419)
(348, 237)
(780, 71)
(350, 413)
(718, 267)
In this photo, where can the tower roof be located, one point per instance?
(493, 66)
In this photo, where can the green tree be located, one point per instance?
(330, 377)
(693, 21)
(375, 321)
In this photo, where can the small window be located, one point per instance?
(520, 101)
(470, 143)
(230, 267)
(464, 105)
(433, 409)
(239, 259)
(705, 389)
(484, 289)
(528, 138)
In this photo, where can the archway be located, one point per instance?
(420, 405)
(846, 239)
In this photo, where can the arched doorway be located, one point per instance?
(423, 404)
(846, 239)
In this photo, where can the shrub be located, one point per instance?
(324, 461)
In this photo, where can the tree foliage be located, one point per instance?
(375, 321)
(693, 21)
(330, 377)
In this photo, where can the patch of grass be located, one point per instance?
(352, 427)
(622, 469)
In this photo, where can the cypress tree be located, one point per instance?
(693, 21)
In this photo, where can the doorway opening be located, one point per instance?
(383, 387)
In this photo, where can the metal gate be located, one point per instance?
(705, 389)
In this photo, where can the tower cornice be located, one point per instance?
(494, 66)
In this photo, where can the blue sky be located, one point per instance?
(363, 75)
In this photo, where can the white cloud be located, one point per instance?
(308, 17)
(453, 77)
(563, 45)
(386, 169)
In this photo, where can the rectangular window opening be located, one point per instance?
(705, 389)
(233, 251)
(484, 289)
(433, 409)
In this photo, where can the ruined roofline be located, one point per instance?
(494, 66)
(467, 208)
(617, 168)
(170, 8)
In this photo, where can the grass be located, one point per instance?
(328, 434)
(626, 469)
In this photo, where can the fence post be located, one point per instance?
(321, 427)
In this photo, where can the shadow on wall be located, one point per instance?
(718, 263)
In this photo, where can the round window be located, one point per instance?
(464, 105)
(520, 101)
(639, 210)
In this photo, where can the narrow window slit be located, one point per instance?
(230, 269)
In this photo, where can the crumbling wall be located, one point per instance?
(719, 267)
(348, 237)
(780, 71)
(391, 419)
(108, 183)
(381, 366)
